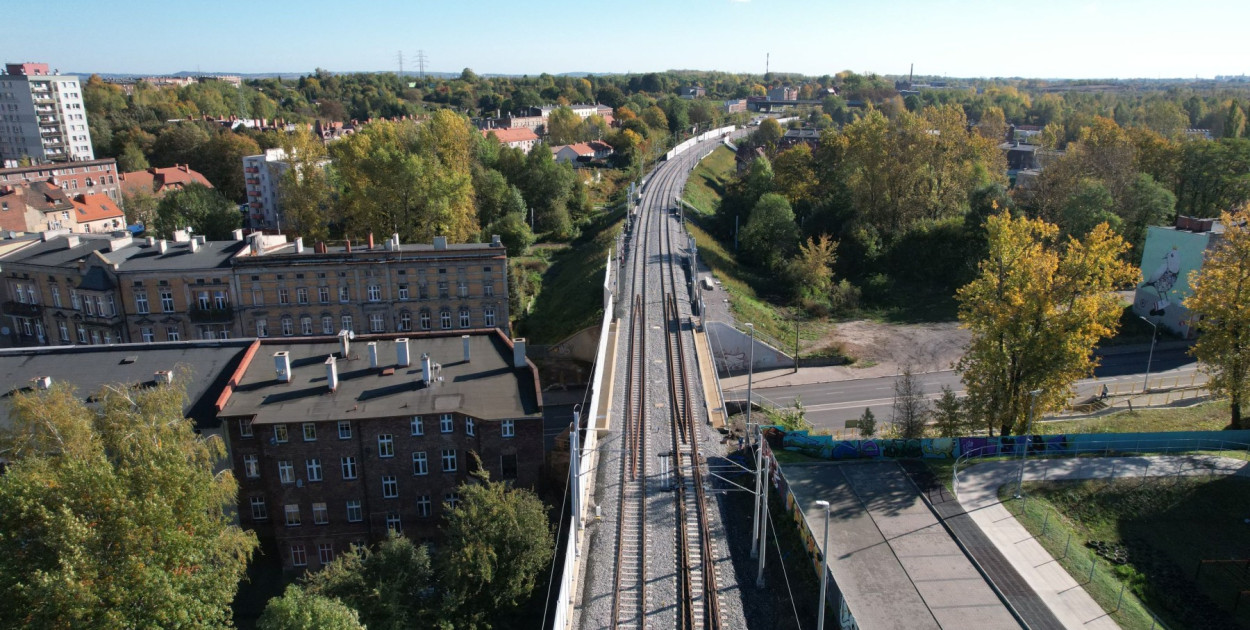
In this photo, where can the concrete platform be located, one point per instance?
(707, 374)
(895, 563)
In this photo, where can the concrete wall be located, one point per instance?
(731, 348)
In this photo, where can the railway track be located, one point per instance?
(656, 458)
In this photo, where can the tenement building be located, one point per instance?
(111, 288)
(42, 117)
(338, 441)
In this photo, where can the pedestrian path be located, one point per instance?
(977, 490)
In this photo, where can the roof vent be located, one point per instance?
(282, 365)
(402, 358)
(43, 382)
(373, 354)
(440, 242)
(332, 373)
(163, 377)
(345, 342)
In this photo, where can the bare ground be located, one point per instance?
(887, 348)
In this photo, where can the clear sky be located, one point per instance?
(965, 38)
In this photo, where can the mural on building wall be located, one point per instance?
(1168, 259)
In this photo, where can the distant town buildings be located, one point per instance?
(160, 181)
(522, 138)
(691, 92)
(40, 205)
(89, 178)
(735, 105)
(582, 151)
(42, 117)
(783, 93)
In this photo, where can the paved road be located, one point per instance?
(830, 405)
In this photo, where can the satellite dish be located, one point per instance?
(351, 334)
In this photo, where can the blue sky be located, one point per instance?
(977, 38)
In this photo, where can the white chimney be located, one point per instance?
(43, 382)
(282, 365)
(495, 241)
(425, 368)
(163, 377)
(299, 245)
(518, 352)
(195, 245)
(395, 239)
(72, 240)
(332, 373)
(151, 241)
(237, 235)
(373, 354)
(440, 242)
(345, 343)
(258, 246)
(402, 358)
(465, 339)
(180, 236)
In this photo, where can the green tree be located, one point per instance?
(222, 159)
(811, 270)
(1087, 206)
(867, 424)
(1221, 300)
(768, 135)
(180, 144)
(114, 516)
(911, 410)
(1036, 309)
(564, 126)
(498, 544)
(140, 207)
(1146, 203)
(655, 118)
(304, 188)
(514, 232)
(388, 587)
(770, 234)
(1234, 121)
(948, 415)
(298, 609)
(131, 159)
(198, 207)
(993, 125)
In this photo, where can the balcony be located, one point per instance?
(21, 309)
(211, 315)
(101, 319)
(251, 169)
(252, 181)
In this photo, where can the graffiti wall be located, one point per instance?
(1168, 259)
(827, 447)
(731, 349)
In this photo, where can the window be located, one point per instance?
(403, 291)
(393, 523)
(75, 300)
(452, 499)
(508, 427)
(141, 301)
(87, 304)
(375, 293)
(284, 296)
(259, 513)
(390, 487)
(446, 423)
(305, 326)
(251, 466)
(292, 514)
(386, 445)
(258, 296)
(425, 320)
(345, 430)
(347, 323)
(469, 428)
(321, 515)
(420, 466)
(462, 289)
(327, 325)
(61, 326)
(313, 466)
(201, 300)
(423, 506)
(442, 288)
(449, 460)
(279, 433)
(323, 295)
(444, 319)
(464, 318)
(220, 301)
(301, 295)
(325, 552)
(423, 291)
(310, 432)
(56, 297)
(405, 321)
(353, 511)
(377, 323)
(507, 466)
(489, 315)
(344, 295)
(288, 327)
(147, 334)
(167, 301)
(286, 472)
(417, 425)
(298, 557)
(172, 333)
(488, 288)
(245, 427)
(262, 328)
(349, 467)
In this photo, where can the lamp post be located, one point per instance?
(1028, 431)
(750, 375)
(824, 566)
(1154, 334)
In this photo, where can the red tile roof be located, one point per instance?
(95, 207)
(157, 180)
(513, 134)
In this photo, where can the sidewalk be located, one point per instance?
(977, 491)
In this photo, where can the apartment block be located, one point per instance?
(340, 441)
(42, 117)
(262, 175)
(90, 177)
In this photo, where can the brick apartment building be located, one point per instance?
(87, 177)
(336, 441)
(112, 288)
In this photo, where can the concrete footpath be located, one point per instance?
(895, 563)
(977, 491)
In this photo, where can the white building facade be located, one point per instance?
(42, 117)
(261, 175)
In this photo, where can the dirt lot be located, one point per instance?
(879, 347)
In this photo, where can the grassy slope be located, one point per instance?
(571, 297)
(1212, 416)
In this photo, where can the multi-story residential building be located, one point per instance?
(87, 178)
(160, 181)
(261, 177)
(110, 288)
(521, 138)
(42, 117)
(337, 442)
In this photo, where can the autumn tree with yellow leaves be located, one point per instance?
(1221, 298)
(1036, 310)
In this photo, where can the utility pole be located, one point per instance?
(421, 59)
(399, 56)
(574, 477)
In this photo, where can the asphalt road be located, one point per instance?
(830, 405)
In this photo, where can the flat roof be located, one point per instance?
(487, 387)
(136, 255)
(90, 368)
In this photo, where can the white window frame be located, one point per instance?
(386, 445)
(508, 428)
(286, 471)
(345, 430)
(280, 434)
(251, 466)
(446, 423)
(245, 427)
(259, 511)
(423, 506)
(354, 514)
(417, 425)
(390, 487)
(347, 466)
(312, 466)
(450, 460)
(291, 514)
(321, 515)
(420, 463)
(299, 557)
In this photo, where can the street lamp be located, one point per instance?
(750, 375)
(1028, 431)
(824, 566)
(1154, 334)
